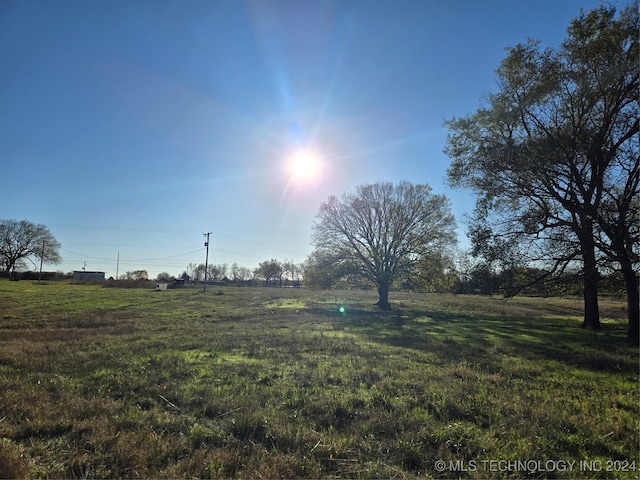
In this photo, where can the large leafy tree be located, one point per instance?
(379, 232)
(22, 241)
(553, 157)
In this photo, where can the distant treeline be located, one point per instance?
(29, 275)
(479, 281)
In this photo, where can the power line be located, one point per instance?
(165, 258)
(119, 228)
(86, 256)
(133, 259)
(123, 245)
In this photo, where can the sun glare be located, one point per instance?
(305, 165)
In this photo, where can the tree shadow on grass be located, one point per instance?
(482, 338)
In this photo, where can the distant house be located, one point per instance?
(79, 275)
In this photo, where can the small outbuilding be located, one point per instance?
(80, 275)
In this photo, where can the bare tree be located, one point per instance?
(137, 275)
(197, 272)
(380, 232)
(240, 274)
(235, 273)
(22, 241)
(291, 272)
(269, 270)
(165, 277)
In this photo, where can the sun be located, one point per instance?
(305, 165)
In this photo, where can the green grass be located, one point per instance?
(278, 383)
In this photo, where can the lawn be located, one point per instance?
(102, 382)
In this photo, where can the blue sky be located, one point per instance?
(133, 127)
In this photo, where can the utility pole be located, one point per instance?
(206, 261)
(117, 265)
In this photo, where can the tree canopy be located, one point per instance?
(380, 232)
(269, 270)
(553, 156)
(22, 240)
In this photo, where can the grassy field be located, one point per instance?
(280, 383)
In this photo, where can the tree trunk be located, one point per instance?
(633, 303)
(591, 310)
(383, 294)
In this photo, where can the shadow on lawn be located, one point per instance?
(481, 338)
